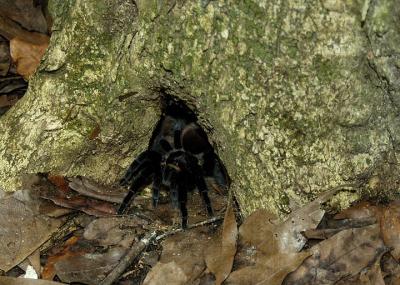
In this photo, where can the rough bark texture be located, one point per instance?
(298, 96)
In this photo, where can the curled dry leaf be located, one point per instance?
(220, 259)
(27, 55)
(339, 226)
(344, 254)
(73, 200)
(92, 189)
(360, 210)
(22, 231)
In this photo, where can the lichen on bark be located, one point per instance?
(297, 96)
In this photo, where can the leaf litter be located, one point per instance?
(359, 245)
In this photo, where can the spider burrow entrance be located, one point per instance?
(179, 159)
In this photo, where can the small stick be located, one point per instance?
(128, 258)
(203, 223)
(140, 246)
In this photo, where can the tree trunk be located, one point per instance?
(297, 96)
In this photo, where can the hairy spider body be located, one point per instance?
(179, 159)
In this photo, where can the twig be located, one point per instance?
(140, 246)
(128, 258)
(174, 231)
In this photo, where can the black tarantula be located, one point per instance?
(179, 158)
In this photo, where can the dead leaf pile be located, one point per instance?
(24, 37)
(357, 246)
(66, 230)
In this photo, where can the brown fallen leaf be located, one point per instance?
(115, 230)
(92, 189)
(388, 217)
(90, 268)
(183, 254)
(390, 269)
(68, 250)
(258, 231)
(371, 275)
(288, 234)
(345, 254)
(5, 280)
(262, 261)
(60, 182)
(5, 58)
(390, 227)
(25, 13)
(272, 236)
(220, 260)
(360, 210)
(70, 199)
(268, 270)
(171, 274)
(27, 55)
(326, 233)
(23, 230)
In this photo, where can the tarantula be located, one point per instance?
(179, 159)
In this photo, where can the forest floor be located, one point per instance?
(60, 230)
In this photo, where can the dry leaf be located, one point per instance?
(258, 231)
(4, 280)
(371, 275)
(34, 260)
(166, 273)
(27, 55)
(90, 268)
(390, 227)
(64, 253)
(288, 234)
(92, 189)
(22, 231)
(5, 58)
(220, 260)
(25, 13)
(115, 230)
(344, 254)
(360, 210)
(268, 270)
(73, 200)
(183, 254)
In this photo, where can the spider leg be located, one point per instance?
(178, 193)
(156, 189)
(184, 212)
(203, 190)
(139, 175)
(137, 165)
